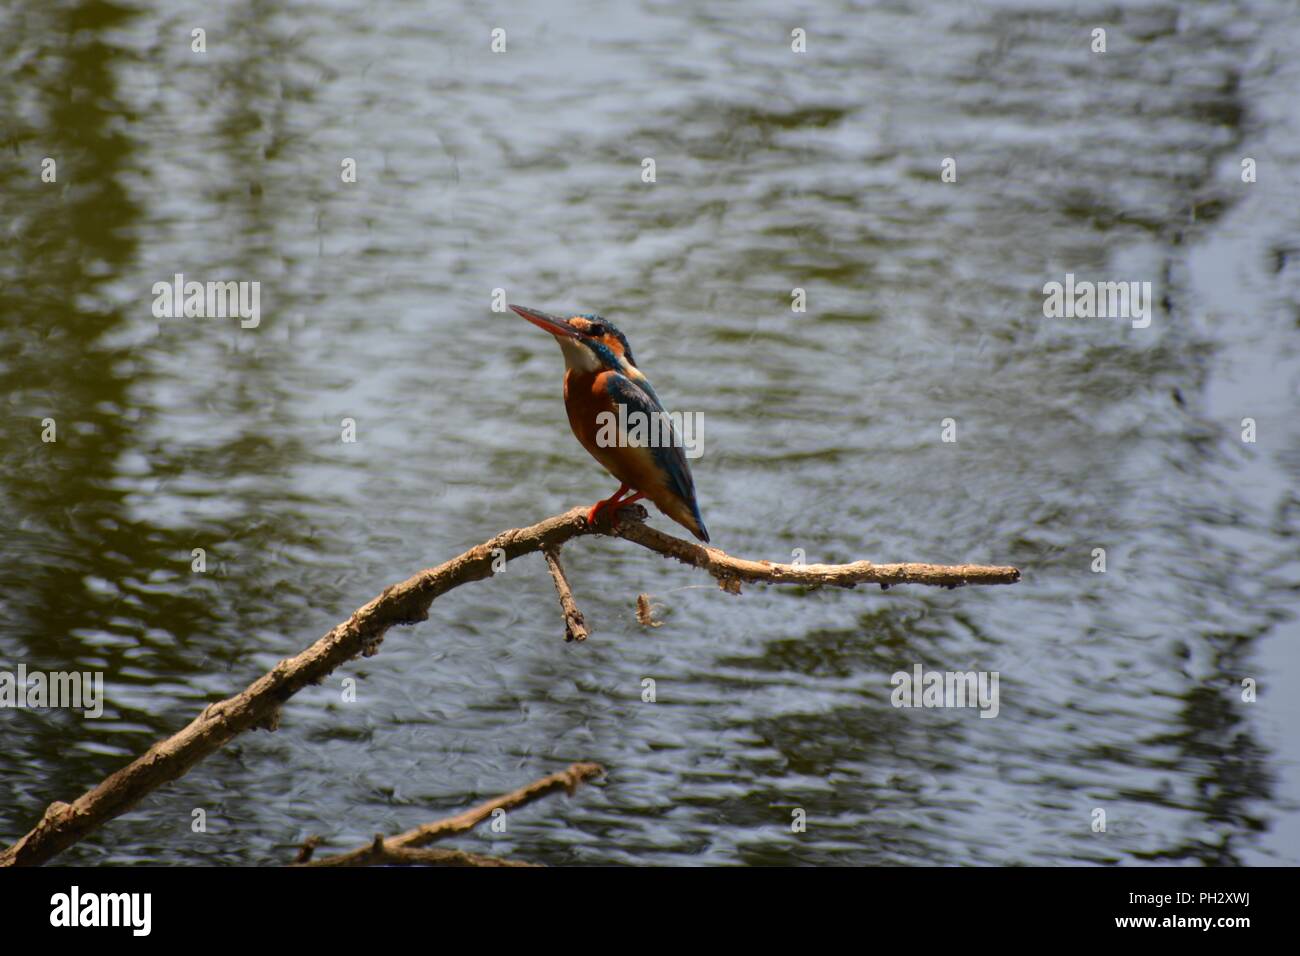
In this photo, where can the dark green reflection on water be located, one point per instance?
(90, 582)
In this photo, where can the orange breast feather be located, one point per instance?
(585, 397)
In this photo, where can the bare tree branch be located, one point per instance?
(379, 855)
(730, 572)
(390, 850)
(259, 705)
(575, 627)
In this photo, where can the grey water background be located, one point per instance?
(775, 170)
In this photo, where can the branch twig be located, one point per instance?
(259, 704)
(575, 627)
(730, 572)
(391, 850)
(377, 854)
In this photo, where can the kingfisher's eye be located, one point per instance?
(596, 329)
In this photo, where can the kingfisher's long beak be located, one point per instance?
(543, 320)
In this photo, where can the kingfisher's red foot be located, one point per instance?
(600, 506)
(626, 501)
(593, 511)
(611, 503)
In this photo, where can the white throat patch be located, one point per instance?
(577, 357)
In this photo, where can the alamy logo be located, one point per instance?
(1098, 300)
(103, 909)
(923, 688)
(74, 689)
(211, 300)
(637, 429)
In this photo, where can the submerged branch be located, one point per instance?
(403, 848)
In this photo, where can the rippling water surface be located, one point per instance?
(775, 170)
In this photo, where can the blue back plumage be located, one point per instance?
(639, 396)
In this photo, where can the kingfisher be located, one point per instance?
(600, 376)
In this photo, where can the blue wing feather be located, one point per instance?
(671, 459)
